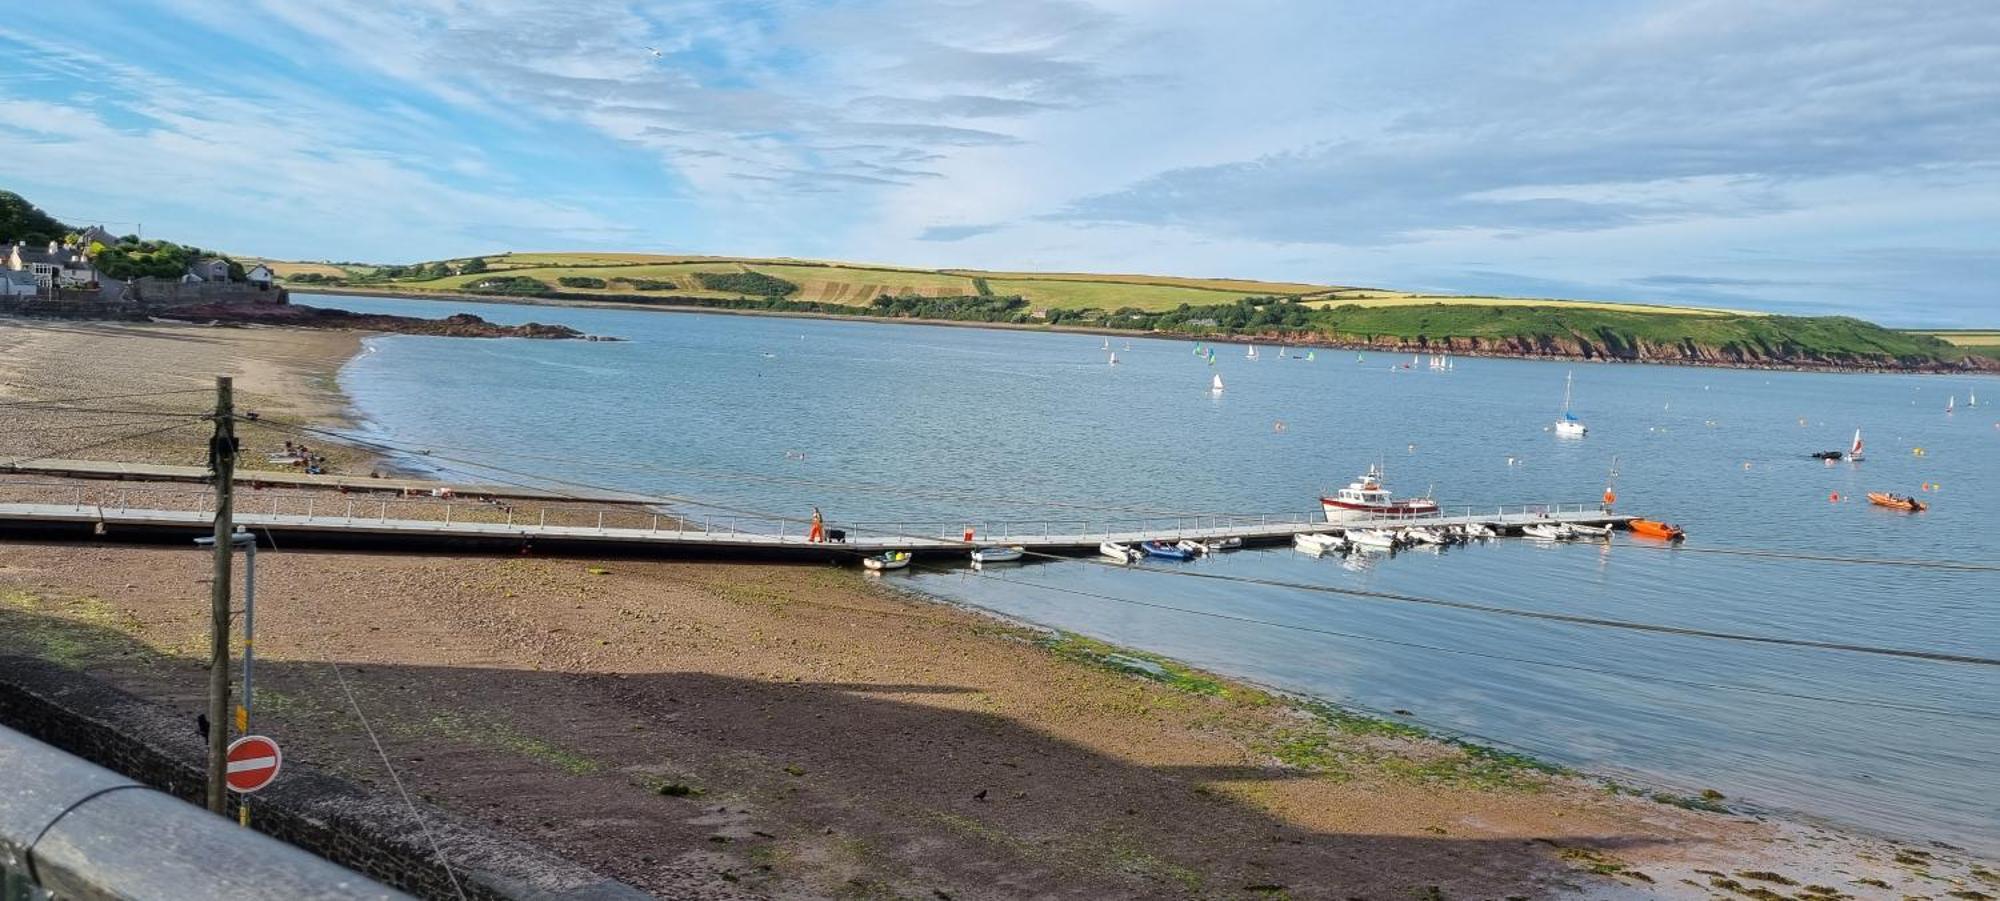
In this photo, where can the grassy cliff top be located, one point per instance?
(858, 284)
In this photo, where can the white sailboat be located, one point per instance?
(1114, 358)
(1569, 426)
(1215, 386)
(1854, 453)
(1252, 354)
(1951, 404)
(1107, 344)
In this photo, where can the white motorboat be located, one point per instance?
(1578, 530)
(1193, 547)
(1546, 531)
(1569, 426)
(1365, 498)
(997, 554)
(1373, 539)
(1122, 553)
(1225, 544)
(1419, 535)
(1318, 543)
(887, 561)
(1479, 530)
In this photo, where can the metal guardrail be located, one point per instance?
(72, 829)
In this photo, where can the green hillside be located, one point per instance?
(1194, 307)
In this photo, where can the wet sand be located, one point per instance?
(710, 730)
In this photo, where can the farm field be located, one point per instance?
(855, 284)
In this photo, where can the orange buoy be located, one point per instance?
(1610, 497)
(1834, 497)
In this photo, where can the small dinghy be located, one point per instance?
(1122, 553)
(887, 561)
(1318, 544)
(1479, 530)
(1828, 455)
(1373, 539)
(997, 554)
(1419, 535)
(1577, 530)
(1653, 528)
(1546, 531)
(1166, 551)
(1225, 544)
(1897, 501)
(1192, 546)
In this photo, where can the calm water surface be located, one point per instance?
(876, 422)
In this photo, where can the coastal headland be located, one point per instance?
(708, 730)
(1301, 315)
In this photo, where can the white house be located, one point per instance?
(260, 275)
(58, 265)
(19, 283)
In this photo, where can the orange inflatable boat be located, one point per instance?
(1653, 528)
(1896, 501)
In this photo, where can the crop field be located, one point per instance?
(1238, 286)
(858, 284)
(1963, 337)
(1373, 298)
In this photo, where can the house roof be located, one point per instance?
(20, 277)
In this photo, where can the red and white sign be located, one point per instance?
(253, 762)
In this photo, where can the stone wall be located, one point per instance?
(330, 817)
(174, 292)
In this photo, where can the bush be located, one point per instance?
(516, 285)
(751, 283)
(580, 281)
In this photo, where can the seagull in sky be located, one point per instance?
(655, 51)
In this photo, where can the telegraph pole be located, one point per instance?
(222, 461)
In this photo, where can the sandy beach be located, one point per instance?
(713, 730)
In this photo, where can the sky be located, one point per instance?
(1797, 156)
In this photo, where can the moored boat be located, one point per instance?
(1579, 530)
(1479, 530)
(997, 554)
(1225, 544)
(1653, 528)
(1165, 551)
(1420, 535)
(1192, 546)
(1897, 501)
(1318, 544)
(1569, 426)
(1546, 531)
(887, 561)
(1373, 539)
(1365, 498)
(1122, 553)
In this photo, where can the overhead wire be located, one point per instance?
(1295, 627)
(96, 444)
(354, 704)
(97, 397)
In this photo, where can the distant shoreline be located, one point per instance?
(1288, 341)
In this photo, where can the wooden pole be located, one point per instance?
(222, 461)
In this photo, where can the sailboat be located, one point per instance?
(1309, 356)
(1854, 453)
(1215, 386)
(1114, 358)
(1569, 426)
(1107, 344)
(1951, 404)
(1253, 352)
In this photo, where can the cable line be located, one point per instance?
(96, 444)
(1720, 686)
(72, 400)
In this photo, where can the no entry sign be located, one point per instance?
(253, 763)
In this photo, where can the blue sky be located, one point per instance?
(1796, 156)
